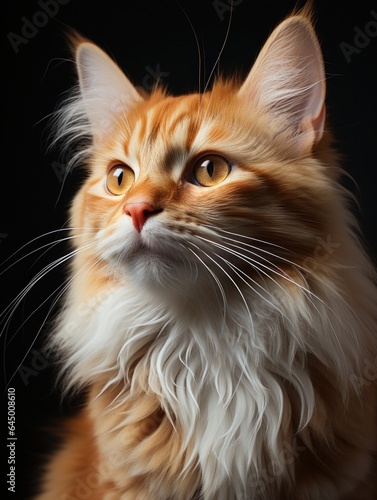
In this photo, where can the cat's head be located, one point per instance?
(223, 188)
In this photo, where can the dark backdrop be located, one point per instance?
(149, 39)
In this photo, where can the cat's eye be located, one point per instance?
(119, 179)
(210, 170)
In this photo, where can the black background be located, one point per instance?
(145, 38)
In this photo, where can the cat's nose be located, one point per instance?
(139, 211)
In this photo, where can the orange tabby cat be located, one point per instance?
(221, 315)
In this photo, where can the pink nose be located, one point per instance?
(139, 212)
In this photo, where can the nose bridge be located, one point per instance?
(155, 156)
(145, 190)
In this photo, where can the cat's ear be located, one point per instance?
(104, 88)
(288, 80)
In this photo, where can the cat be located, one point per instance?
(221, 318)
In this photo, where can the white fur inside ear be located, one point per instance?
(104, 88)
(288, 80)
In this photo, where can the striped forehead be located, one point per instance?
(164, 136)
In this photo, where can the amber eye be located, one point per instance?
(119, 179)
(210, 170)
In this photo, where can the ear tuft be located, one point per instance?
(288, 81)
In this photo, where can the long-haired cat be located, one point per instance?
(221, 317)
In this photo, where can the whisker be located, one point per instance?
(256, 254)
(310, 296)
(278, 271)
(32, 241)
(10, 309)
(266, 270)
(257, 240)
(239, 273)
(295, 265)
(71, 237)
(298, 268)
(7, 343)
(221, 50)
(50, 245)
(217, 281)
(250, 260)
(64, 287)
(197, 46)
(233, 282)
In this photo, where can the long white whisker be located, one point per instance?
(251, 238)
(259, 249)
(256, 265)
(241, 273)
(217, 281)
(275, 255)
(233, 282)
(50, 245)
(256, 254)
(18, 299)
(299, 269)
(265, 270)
(32, 241)
(294, 265)
(65, 285)
(268, 268)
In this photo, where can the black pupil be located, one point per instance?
(209, 165)
(120, 177)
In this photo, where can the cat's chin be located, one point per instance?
(156, 270)
(153, 269)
